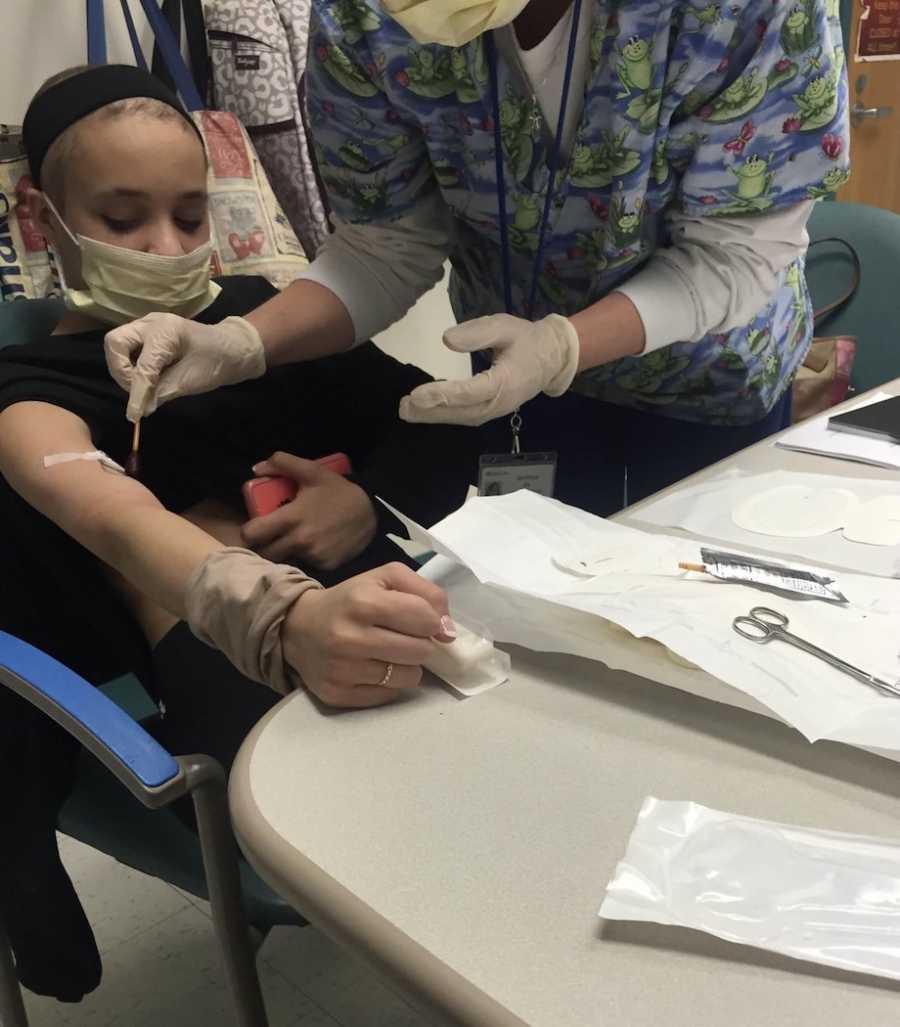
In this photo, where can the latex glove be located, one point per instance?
(329, 522)
(163, 356)
(341, 640)
(528, 358)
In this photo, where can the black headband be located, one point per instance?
(50, 113)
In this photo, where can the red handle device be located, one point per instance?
(264, 495)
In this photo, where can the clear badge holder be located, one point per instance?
(502, 473)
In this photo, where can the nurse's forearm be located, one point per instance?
(304, 322)
(717, 274)
(378, 271)
(607, 330)
(364, 278)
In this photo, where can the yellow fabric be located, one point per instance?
(452, 22)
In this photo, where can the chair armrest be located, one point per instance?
(122, 746)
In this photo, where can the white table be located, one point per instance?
(463, 847)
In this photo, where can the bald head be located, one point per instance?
(69, 146)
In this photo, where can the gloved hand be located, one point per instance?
(163, 356)
(528, 358)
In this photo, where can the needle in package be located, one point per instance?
(773, 577)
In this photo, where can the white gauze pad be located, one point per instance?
(470, 664)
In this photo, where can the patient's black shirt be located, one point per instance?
(54, 593)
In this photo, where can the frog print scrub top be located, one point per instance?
(715, 109)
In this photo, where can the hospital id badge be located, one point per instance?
(502, 473)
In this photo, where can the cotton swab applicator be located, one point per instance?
(133, 463)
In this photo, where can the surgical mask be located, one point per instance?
(452, 22)
(122, 285)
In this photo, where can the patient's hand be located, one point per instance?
(330, 521)
(363, 642)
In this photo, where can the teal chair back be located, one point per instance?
(873, 314)
(100, 812)
(22, 320)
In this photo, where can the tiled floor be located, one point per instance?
(161, 964)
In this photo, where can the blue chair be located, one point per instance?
(871, 315)
(115, 724)
(155, 779)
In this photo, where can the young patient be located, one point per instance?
(111, 574)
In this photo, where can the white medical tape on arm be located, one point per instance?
(95, 454)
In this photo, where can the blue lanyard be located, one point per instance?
(491, 54)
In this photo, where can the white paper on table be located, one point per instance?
(512, 544)
(814, 436)
(706, 510)
(822, 896)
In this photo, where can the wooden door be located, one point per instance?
(875, 127)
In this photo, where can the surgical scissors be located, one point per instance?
(762, 625)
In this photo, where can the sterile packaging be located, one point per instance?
(470, 664)
(536, 573)
(821, 896)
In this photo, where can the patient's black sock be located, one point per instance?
(51, 939)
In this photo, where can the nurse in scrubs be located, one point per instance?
(622, 191)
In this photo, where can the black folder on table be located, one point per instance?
(877, 420)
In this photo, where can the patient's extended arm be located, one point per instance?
(115, 517)
(344, 642)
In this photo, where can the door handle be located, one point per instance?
(858, 112)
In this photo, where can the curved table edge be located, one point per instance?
(435, 988)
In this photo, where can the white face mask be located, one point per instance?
(122, 285)
(452, 22)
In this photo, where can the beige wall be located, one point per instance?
(40, 37)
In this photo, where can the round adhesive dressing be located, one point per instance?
(795, 511)
(876, 523)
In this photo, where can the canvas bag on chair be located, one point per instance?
(258, 51)
(249, 231)
(823, 379)
(26, 266)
